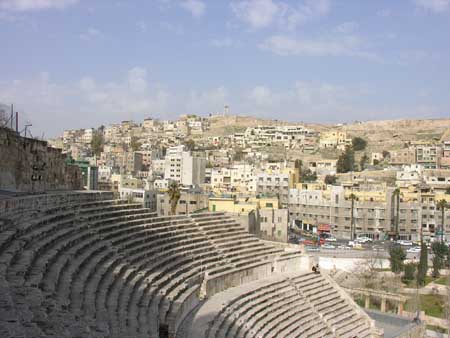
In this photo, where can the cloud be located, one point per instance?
(256, 13)
(26, 5)
(222, 43)
(436, 6)
(385, 13)
(142, 26)
(53, 106)
(91, 34)
(195, 7)
(308, 101)
(263, 13)
(347, 27)
(341, 45)
(209, 100)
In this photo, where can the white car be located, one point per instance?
(363, 239)
(330, 239)
(344, 247)
(328, 246)
(404, 243)
(414, 249)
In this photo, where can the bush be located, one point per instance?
(410, 271)
(440, 252)
(396, 258)
(346, 161)
(423, 265)
(359, 143)
(330, 179)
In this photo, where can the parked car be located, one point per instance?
(312, 248)
(328, 246)
(330, 239)
(414, 249)
(363, 239)
(344, 247)
(404, 243)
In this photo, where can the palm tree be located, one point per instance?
(396, 195)
(174, 196)
(442, 205)
(352, 218)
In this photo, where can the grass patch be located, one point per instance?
(428, 279)
(441, 281)
(436, 328)
(433, 305)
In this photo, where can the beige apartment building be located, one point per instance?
(374, 212)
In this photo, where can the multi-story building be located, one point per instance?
(131, 162)
(403, 156)
(374, 213)
(189, 202)
(88, 136)
(274, 184)
(183, 167)
(146, 197)
(238, 177)
(429, 156)
(334, 139)
(445, 160)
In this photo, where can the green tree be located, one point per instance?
(386, 154)
(376, 162)
(190, 144)
(298, 163)
(330, 179)
(346, 161)
(308, 176)
(174, 196)
(359, 143)
(352, 216)
(396, 258)
(410, 271)
(97, 144)
(422, 268)
(135, 144)
(447, 191)
(396, 197)
(363, 161)
(238, 154)
(440, 253)
(442, 205)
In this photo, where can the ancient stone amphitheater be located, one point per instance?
(85, 265)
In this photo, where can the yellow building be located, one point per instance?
(242, 204)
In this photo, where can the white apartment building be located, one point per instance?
(104, 173)
(146, 197)
(158, 167)
(239, 177)
(181, 166)
(273, 184)
(88, 135)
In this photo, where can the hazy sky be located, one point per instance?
(82, 63)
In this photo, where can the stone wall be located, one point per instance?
(215, 284)
(18, 205)
(29, 165)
